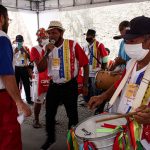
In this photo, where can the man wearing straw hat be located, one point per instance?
(135, 95)
(64, 58)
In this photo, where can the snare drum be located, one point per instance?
(105, 79)
(86, 130)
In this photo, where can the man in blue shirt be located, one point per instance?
(10, 99)
(120, 61)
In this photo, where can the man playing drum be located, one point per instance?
(98, 58)
(137, 47)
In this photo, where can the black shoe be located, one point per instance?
(46, 145)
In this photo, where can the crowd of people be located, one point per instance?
(51, 69)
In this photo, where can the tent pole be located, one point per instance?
(37, 12)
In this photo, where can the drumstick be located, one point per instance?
(117, 117)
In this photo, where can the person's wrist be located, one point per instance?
(19, 101)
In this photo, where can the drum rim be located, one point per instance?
(113, 135)
(96, 75)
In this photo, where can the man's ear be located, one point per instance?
(2, 20)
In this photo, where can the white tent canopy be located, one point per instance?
(41, 5)
(104, 17)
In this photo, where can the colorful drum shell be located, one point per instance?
(105, 79)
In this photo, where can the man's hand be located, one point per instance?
(143, 116)
(95, 101)
(119, 61)
(24, 108)
(48, 48)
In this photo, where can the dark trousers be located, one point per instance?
(92, 90)
(66, 93)
(22, 74)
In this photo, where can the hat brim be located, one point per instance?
(131, 36)
(55, 28)
(89, 34)
(117, 37)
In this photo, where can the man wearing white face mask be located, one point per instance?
(21, 63)
(138, 49)
(40, 81)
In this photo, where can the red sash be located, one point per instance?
(43, 82)
(146, 131)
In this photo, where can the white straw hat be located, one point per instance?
(55, 24)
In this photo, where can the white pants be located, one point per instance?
(34, 93)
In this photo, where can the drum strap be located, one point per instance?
(122, 84)
(142, 89)
(94, 56)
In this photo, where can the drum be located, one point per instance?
(105, 79)
(86, 130)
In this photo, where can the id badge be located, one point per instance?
(131, 91)
(55, 63)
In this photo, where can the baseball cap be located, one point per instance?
(139, 26)
(19, 38)
(90, 32)
(124, 25)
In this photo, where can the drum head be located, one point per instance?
(87, 129)
(105, 79)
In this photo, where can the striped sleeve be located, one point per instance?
(103, 53)
(81, 56)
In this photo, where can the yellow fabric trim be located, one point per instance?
(66, 51)
(94, 65)
(146, 96)
(145, 101)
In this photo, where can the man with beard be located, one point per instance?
(40, 80)
(10, 99)
(137, 47)
(64, 58)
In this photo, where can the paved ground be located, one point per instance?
(34, 138)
